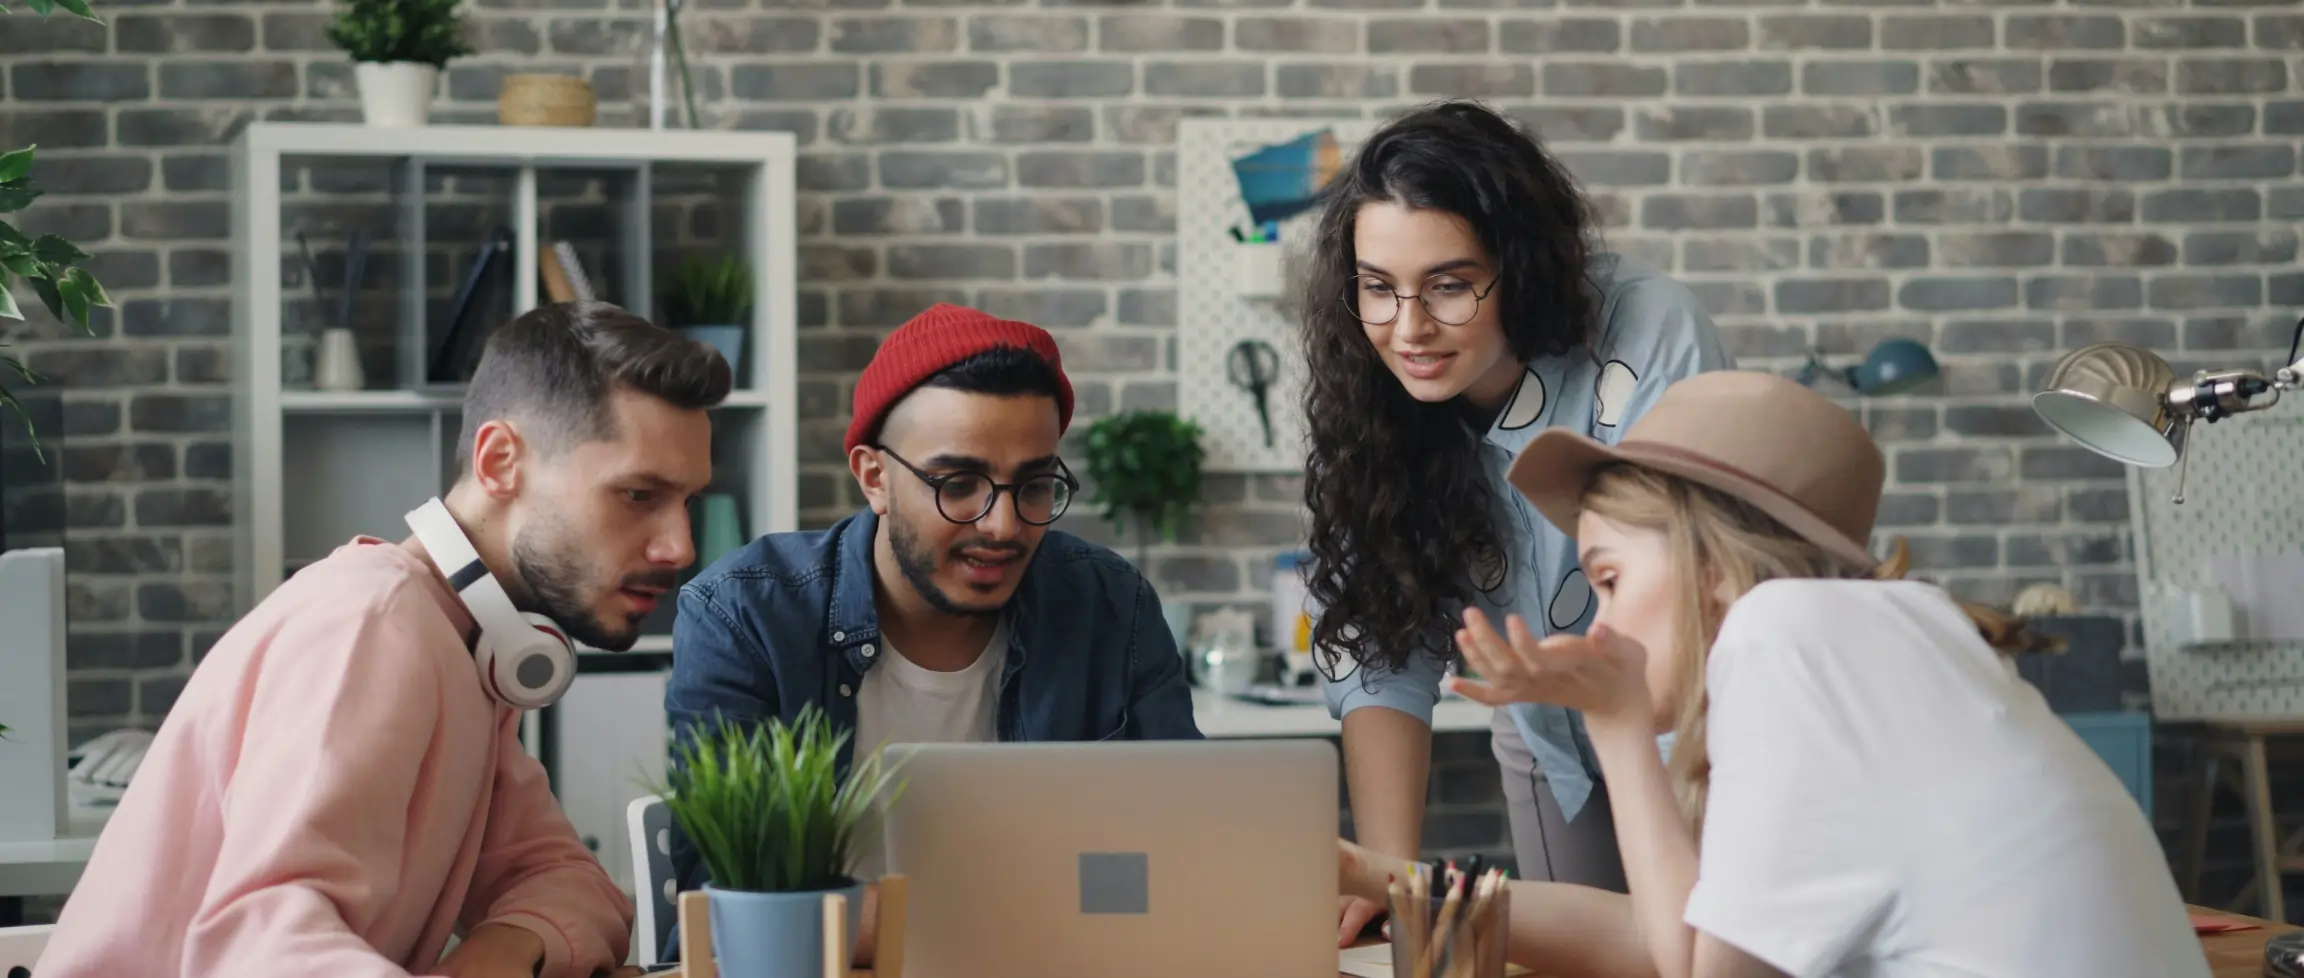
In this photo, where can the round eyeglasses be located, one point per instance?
(965, 497)
(1448, 300)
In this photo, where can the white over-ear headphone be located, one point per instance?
(526, 661)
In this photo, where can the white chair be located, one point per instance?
(20, 947)
(654, 886)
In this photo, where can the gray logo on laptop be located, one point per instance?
(1115, 882)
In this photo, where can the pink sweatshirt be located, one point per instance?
(334, 795)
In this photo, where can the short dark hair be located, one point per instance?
(1002, 371)
(554, 367)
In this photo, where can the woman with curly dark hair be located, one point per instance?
(1455, 306)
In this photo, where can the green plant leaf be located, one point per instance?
(41, 7)
(15, 195)
(1146, 465)
(75, 300)
(17, 164)
(8, 400)
(8, 309)
(766, 807)
(55, 250)
(45, 288)
(421, 31)
(89, 287)
(80, 7)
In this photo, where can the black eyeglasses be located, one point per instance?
(965, 497)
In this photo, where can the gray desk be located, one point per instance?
(49, 868)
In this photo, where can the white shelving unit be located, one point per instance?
(314, 467)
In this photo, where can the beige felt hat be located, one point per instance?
(1758, 437)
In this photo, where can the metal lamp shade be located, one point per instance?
(2112, 398)
(1895, 366)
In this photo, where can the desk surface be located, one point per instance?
(50, 868)
(2236, 954)
(2240, 953)
(1226, 717)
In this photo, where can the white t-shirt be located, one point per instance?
(1890, 799)
(901, 702)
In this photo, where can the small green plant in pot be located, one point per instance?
(398, 49)
(777, 827)
(711, 302)
(1146, 464)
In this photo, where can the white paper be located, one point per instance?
(2269, 591)
(1372, 961)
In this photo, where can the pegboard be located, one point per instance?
(1215, 311)
(2244, 492)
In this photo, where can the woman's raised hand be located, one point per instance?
(1602, 674)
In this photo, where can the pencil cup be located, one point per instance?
(336, 365)
(1440, 937)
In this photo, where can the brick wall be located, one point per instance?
(2003, 179)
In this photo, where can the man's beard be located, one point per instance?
(919, 566)
(551, 564)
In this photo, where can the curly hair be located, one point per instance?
(1403, 525)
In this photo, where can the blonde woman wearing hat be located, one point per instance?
(1860, 784)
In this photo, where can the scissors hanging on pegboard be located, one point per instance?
(1254, 366)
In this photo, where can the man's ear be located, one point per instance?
(871, 476)
(497, 451)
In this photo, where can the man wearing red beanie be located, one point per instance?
(946, 609)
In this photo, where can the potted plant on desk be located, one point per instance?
(777, 828)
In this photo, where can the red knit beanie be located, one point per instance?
(942, 336)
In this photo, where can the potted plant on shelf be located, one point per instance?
(711, 302)
(398, 48)
(778, 828)
(1146, 464)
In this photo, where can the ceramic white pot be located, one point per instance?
(397, 93)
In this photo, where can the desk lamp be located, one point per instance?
(2127, 404)
(1893, 367)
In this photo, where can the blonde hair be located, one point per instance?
(1721, 545)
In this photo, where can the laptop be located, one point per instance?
(1118, 859)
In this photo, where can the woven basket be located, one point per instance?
(546, 100)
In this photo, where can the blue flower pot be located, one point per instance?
(729, 340)
(775, 935)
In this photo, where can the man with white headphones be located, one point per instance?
(341, 788)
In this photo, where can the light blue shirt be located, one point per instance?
(1653, 332)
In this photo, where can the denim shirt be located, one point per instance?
(1654, 332)
(789, 620)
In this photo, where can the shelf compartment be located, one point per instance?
(324, 204)
(313, 468)
(465, 213)
(349, 474)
